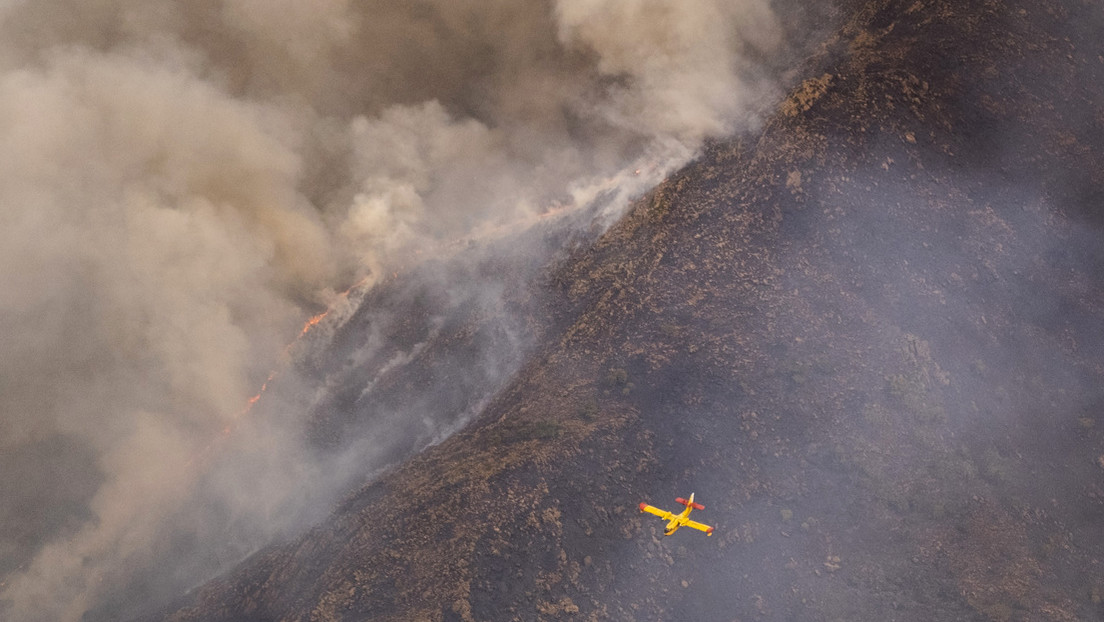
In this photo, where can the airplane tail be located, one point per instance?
(693, 504)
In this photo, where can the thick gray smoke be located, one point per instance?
(183, 184)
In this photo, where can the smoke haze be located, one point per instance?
(183, 184)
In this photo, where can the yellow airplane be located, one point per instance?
(679, 520)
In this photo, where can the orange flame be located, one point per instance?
(307, 326)
(311, 323)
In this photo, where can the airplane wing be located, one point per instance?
(700, 527)
(664, 514)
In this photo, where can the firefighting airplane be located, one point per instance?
(679, 520)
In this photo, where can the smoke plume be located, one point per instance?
(183, 184)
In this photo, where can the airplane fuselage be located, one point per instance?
(680, 520)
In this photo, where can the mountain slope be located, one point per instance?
(869, 339)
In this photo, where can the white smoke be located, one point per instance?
(182, 184)
(681, 61)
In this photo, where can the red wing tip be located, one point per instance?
(642, 506)
(709, 531)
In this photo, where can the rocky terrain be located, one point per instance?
(868, 337)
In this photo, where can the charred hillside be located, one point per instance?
(869, 338)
